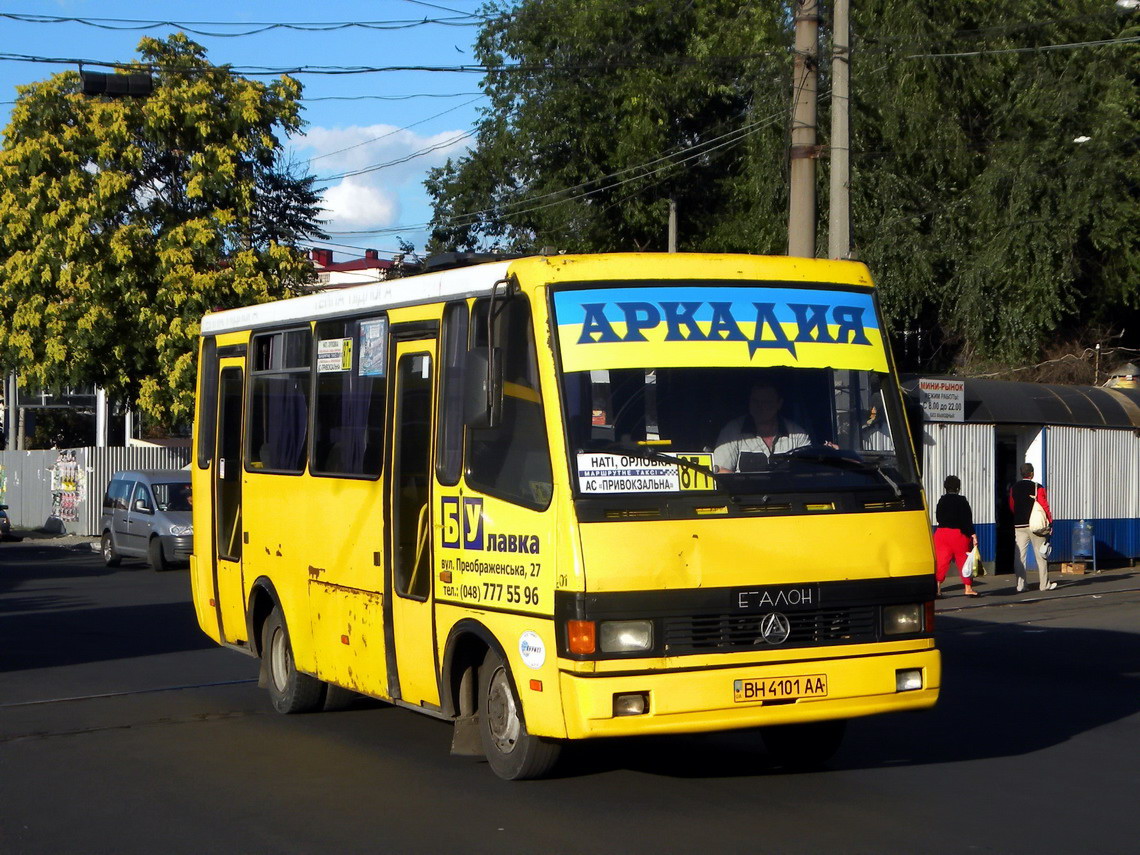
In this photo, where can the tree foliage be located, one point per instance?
(602, 111)
(122, 221)
(988, 228)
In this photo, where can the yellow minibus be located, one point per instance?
(570, 497)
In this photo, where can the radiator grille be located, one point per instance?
(724, 633)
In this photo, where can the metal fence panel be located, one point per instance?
(63, 489)
(965, 450)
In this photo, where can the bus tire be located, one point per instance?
(107, 549)
(337, 698)
(512, 752)
(290, 691)
(157, 556)
(804, 746)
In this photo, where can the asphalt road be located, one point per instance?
(123, 729)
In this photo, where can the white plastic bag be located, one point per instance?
(968, 566)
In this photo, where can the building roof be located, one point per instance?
(1010, 402)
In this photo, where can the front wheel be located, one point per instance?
(804, 746)
(512, 752)
(107, 548)
(157, 556)
(290, 691)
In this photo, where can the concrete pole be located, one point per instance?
(801, 201)
(672, 225)
(12, 417)
(839, 216)
(100, 417)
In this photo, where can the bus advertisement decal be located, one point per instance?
(747, 326)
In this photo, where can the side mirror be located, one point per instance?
(141, 505)
(483, 388)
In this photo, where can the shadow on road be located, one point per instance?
(54, 622)
(29, 560)
(1001, 697)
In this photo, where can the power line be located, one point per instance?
(1123, 40)
(391, 133)
(376, 167)
(253, 28)
(386, 97)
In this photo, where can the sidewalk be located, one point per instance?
(39, 537)
(1001, 590)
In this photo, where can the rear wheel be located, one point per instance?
(513, 753)
(804, 746)
(289, 690)
(107, 547)
(157, 556)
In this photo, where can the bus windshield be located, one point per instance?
(757, 430)
(756, 387)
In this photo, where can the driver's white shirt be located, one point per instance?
(736, 436)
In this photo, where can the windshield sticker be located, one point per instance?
(632, 473)
(334, 355)
(718, 326)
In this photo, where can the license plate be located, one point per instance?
(779, 688)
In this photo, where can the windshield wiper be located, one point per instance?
(833, 457)
(648, 453)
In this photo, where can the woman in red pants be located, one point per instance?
(954, 538)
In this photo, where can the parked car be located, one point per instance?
(146, 514)
(5, 523)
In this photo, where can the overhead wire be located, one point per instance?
(253, 28)
(393, 132)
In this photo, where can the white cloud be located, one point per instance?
(389, 196)
(355, 205)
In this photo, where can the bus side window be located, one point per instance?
(348, 417)
(512, 461)
(449, 439)
(278, 424)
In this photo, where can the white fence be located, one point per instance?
(62, 489)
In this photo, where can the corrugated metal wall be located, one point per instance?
(45, 489)
(965, 450)
(1094, 474)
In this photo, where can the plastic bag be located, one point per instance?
(968, 565)
(1046, 549)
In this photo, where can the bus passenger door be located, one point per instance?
(227, 505)
(410, 525)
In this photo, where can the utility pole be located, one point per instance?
(672, 225)
(801, 201)
(839, 215)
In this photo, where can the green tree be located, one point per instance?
(601, 111)
(985, 224)
(122, 221)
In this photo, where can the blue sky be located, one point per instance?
(378, 130)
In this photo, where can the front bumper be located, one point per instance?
(177, 548)
(703, 700)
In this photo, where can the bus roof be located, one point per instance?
(428, 287)
(478, 280)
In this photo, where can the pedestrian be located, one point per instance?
(1022, 496)
(955, 537)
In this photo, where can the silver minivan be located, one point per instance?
(146, 514)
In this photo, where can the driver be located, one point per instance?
(763, 431)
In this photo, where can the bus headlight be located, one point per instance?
(625, 636)
(902, 620)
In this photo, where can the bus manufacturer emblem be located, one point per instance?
(775, 628)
